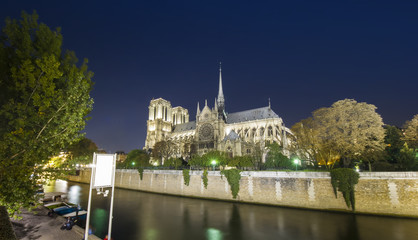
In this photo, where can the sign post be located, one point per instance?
(102, 176)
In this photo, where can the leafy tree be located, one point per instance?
(136, 158)
(163, 150)
(173, 162)
(309, 145)
(44, 100)
(350, 129)
(241, 162)
(221, 158)
(411, 132)
(82, 151)
(407, 160)
(275, 157)
(394, 143)
(257, 154)
(205, 160)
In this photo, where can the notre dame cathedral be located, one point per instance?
(239, 133)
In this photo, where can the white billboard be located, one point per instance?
(103, 170)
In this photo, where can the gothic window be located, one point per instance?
(155, 113)
(261, 131)
(229, 152)
(248, 151)
(246, 131)
(270, 131)
(165, 114)
(254, 132)
(206, 132)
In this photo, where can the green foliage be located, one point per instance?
(141, 172)
(206, 159)
(136, 158)
(407, 159)
(44, 101)
(82, 151)
(205, 178)
(241, 161)
(344, 180)
(186, 176)
(276, 159)
(233, 176)
(173, 162)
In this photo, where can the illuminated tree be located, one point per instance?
(411, 132)
(348, 130)
(44, 100)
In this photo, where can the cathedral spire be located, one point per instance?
(198, 109)
(221, 98)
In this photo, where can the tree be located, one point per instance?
(350, 129)
(407, 160)
(136, 158)
(275, 157)
(44, 100)
(163, 150)
(310, 147)
(173, 162)
(411, 132)
(82, 151)
(206, 159)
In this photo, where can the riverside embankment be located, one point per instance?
(379, 193)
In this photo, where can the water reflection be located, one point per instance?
(139, 215)
(74, 194)
(100, 221)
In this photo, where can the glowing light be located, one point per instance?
(213, 234)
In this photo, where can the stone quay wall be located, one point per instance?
(380, 193)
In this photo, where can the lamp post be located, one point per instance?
(213, 164)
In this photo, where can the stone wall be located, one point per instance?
(383, 193)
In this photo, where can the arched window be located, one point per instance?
(270, 131)
(261, 131)
(229, 152)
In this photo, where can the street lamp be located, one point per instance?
(296, 162)
(213, 164)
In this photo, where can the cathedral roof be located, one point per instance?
(184, 126)
(250, 115)
(232, 136)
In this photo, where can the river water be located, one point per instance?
(148, 216)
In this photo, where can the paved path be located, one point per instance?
(37, 225)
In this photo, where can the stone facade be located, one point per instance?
(238, 133)
(391, 193)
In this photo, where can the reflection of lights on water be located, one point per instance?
(74, 194)
(100, 218)
(56, 186)
(213, 234)
(151, 234)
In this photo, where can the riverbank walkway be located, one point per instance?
(38, 225)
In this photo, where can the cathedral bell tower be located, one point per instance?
(160, 121)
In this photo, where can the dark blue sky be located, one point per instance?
(302, 54)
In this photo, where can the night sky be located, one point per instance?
(303, 55)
